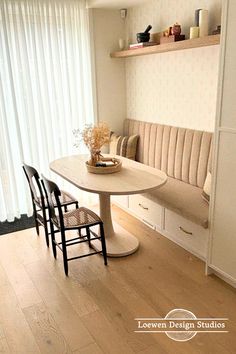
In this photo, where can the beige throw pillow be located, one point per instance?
(123, 145)
(206, 193)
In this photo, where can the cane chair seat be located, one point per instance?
(78, 217)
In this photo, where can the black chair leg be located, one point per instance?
(104, 250)
(88, 236)
(36, 220)
(64, 250)
(54, 247)
(37, 226)
(45, 227)
(79, 230)
(65, 264)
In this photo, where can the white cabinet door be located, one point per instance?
(223, 251)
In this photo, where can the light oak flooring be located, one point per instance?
(93, 310)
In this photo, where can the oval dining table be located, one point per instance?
(134, 178)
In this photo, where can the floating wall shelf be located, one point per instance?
(169, 47)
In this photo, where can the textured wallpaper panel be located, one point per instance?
(176, 88)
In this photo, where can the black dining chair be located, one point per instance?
(39, 201)
(77, 219)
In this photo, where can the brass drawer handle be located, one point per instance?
(145, 208)
(186, 232)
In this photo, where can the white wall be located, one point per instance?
(115, 4)
(108, 27)
(176, 88)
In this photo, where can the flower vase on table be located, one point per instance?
(95, 157)
(94, 137)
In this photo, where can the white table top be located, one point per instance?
(133, 178)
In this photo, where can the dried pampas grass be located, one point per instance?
(94, 137)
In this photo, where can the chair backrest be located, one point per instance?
(53, 193)
(34, 183)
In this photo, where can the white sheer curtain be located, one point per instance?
(45, 90)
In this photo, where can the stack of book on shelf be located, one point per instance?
(141, 45)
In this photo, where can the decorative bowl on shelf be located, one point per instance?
(143, 37)
(105, 166)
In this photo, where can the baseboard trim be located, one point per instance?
(222, 275)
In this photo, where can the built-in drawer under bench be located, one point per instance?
(190, 236)
(185, 233)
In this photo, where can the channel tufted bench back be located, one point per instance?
(181, 153)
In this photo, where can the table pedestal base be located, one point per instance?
(119, 242)
(122, 243)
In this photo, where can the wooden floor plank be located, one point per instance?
(24, 288)
(16, 329)
(17, 249)
(122, 313)
(70, 287)
(4, 348)
(47, 333)
(63, 312)
(75, 293)
(105, 334)
(118, 313)
(90, 349)
(93, 311)
(204, 296)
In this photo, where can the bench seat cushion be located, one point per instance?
(183, 199)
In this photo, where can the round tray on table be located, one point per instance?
(105, 170)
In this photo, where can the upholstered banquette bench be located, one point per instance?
(177, 209)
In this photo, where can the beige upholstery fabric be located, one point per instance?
(123, 145)
(183, 154)
(182, 198)
(206, 193)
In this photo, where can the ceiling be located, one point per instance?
(114, 4)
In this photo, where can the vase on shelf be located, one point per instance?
(122, 43)
(176, 29)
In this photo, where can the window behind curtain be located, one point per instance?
(45, 90)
